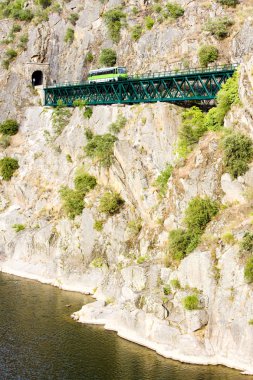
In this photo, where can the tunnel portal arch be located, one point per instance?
(37, 78)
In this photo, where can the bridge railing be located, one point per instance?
(149, 75)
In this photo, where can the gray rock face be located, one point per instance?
(124, 263)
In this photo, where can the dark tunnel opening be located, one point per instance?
(37, 78)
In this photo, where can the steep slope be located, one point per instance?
(119, 251)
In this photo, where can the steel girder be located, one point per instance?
(178, 88)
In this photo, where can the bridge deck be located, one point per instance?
(173, 86)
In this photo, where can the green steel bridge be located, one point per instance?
(198, 85)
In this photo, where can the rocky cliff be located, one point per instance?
(122, 257)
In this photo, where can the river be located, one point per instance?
(39, 341)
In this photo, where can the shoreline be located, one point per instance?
(129, 334)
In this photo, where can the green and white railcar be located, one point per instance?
(107, 74)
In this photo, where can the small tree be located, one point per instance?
(207, 54)
(238, 153)
(108, 57)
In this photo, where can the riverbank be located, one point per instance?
(113, 318)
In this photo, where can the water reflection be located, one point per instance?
(39, 340)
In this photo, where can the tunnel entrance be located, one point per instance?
(37, 78)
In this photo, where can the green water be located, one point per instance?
(39, 341)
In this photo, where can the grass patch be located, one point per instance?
(191, 302)
(162, 180)
(69, 36)
(98, 225)
(136, 32)
(18, 227)
(119, 124)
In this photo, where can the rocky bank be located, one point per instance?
(124, 264)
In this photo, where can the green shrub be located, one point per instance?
(5, 141)
(45, 3)
(195, 123)
(162, 180)
(84, 182)
(149, 22)
(136, 32)
(141, 259)
(73, 199)
(228, 238)
(9, 127)
(69, 36)
(89, 57)
(207, 54)
(247, 242)
(219, 27)
(191, 302)
(23, 41)
(88, 134)
(98, 262)
(118, 125)
(11, 54)
(73, 203)
(175, 10)
(251, 322)
(166, 290)
(192, 129)
(110, 203)
(87, 112)
(8, 166)
(199, 213)
(229, 3)
(108, 57)
(60, 118)
(18, 227)
(181, 242)
(98, 225)
(80, 103)
(238, 153)
(248, 270)
(175, 284)
(228, 95)
(113, 19)
(100, 149)
(15, 28)
(15, 9)
(73, 17)
(135, 226)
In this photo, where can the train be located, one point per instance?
(107, 74)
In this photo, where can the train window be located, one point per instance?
(122, 70)
(37, 78)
